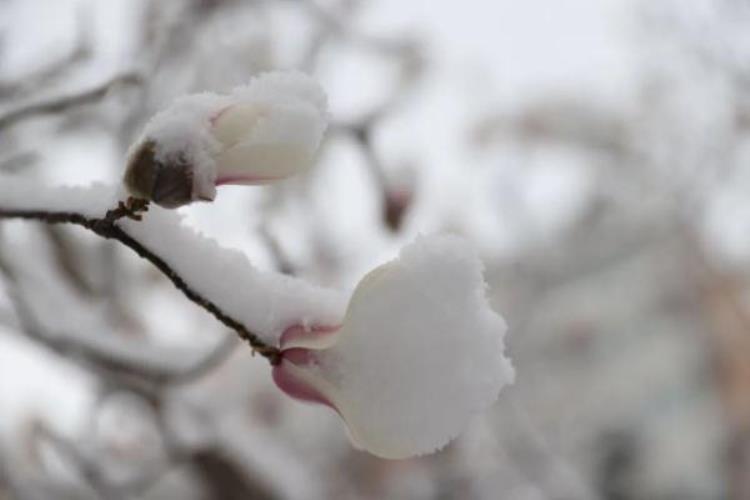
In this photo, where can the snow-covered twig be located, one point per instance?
(258, 306)
(432, 295)
(107, 228)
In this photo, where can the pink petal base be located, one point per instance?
(290, 382)
(316, 337)
(213, 119)
(245, 180)
(299, 344)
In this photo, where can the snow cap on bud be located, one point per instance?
(262, 132)
(418, 355)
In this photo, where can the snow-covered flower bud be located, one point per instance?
(419, 352)
(265, 131)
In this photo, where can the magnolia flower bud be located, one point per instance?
(265, 131)
(419, 352)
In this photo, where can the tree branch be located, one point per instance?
(107, 228)
(63, 103)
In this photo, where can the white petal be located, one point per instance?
(317, 337)
(264, 131)
(420, 352)
(283, 86)
(236, 122)
(273, 131)
(250, 163)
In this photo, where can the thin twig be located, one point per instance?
(107, 228)
(63, 103)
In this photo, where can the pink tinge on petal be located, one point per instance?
(286, 378)
(245, 179)
(217, 115)
(316, 337)
(298, 356)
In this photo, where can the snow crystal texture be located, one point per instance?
(277, 123)
(420, 352)
(267, 303)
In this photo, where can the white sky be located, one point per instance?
(525, 44)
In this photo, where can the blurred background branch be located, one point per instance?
(597, 153)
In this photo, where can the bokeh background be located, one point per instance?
(596, 152)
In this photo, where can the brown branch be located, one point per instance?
(64, 103)
(395, 202)
(107, 228)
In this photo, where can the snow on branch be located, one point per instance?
(414, 357)
(417, 355)
(258, 306)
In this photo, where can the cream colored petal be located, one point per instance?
(316, 338)
(236, 122)
(250, 163)
(420, 352)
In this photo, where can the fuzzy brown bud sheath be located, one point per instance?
(263, 132)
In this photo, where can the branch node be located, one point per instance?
(272, 354)
(132, 208)
(106, 227)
